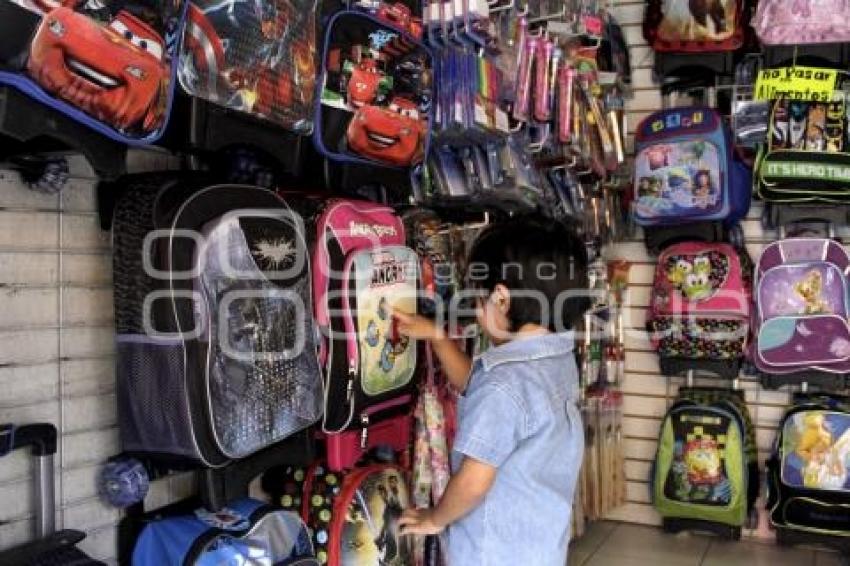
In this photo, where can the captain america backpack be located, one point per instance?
(108, 65)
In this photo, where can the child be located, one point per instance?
(520, 440)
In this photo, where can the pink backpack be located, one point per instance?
(793, 22)
(361, 271)
(700, 308)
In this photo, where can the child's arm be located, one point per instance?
(456, 364)
(464, 492)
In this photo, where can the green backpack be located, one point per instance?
(701, 471)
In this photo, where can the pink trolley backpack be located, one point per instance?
(801, 328)
(795, 22)
(362, 270)
(700, 309)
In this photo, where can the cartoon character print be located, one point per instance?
(817, 450)
(698, 277)
(697, 473)
(816, 128)
(395, 343)
(694, 20)
(392, 135)
(366, 83)
(810, 288)
(118, 73)
(371, 535)
(677, 177)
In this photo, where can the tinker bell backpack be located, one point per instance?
(700, 309)
(686, 172)
(808, 475)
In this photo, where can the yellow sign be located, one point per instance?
(797, 83)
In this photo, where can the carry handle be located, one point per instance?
(42, 438)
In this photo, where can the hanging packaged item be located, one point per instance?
(375, 84)
(216, 343)
(801, 307)
(109, 67)
(686, 170)
(246, 531)
(690, 26)
(807, 155)
(353, 516)
(700, 477)
(808, 475)
(777, 22)
(256, 57)
(361, 272)
(700, 310)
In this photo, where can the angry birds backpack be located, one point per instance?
(700, 308)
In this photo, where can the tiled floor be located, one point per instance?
(615, 544)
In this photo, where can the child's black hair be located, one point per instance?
(546, 261)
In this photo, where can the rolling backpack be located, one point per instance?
(352, 516)
(801, 307)
(808, 474)
(779, 22)
(686, 171)
(107, 66)
(700, 309)
(807, 157)
(216, 344)
(245, 532)
(700, 477)
(361, 271)
(694, 26)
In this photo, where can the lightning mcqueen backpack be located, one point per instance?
(700, 309)
(361, 271)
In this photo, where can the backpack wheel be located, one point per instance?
(769, 218)
(123, 482)
(736, 236)
(735, 533)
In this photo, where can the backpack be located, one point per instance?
(808, 474)
(807, 154)
(700, 470)
(352, 516)
(700, 309)
(801, 307)
(686, 170)
(106, 66)
(216, 344)
(780, 22)
(691, 26)
(256, 58)
(246, 531)
(361, 270)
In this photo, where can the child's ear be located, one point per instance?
(502, 295)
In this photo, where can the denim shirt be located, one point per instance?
(519, 414)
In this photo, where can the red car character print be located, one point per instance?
(391, 135)
(116, 73)
(367, 81)
(399, 15)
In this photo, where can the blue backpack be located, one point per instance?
(246, 532)
(686, 170)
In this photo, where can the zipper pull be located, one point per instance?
(364, 431)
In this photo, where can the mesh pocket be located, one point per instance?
(152, 399)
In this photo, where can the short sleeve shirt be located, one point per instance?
(519, 414)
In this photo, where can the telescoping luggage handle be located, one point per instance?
(41, 437)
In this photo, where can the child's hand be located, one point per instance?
(416, 327)
(419, 522)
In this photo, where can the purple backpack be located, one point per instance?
(793, 22)
(801, 307)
